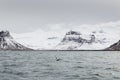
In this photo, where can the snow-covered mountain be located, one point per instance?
(76, 41)
(115, 46)
(8, 43)
(73, 40)
(84, 37)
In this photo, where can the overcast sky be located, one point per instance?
(29, 15)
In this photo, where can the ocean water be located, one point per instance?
(59, 65)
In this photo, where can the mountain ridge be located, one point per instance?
(114, 47)
(7, 42)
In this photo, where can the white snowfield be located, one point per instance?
(105, 34)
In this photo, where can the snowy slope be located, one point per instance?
(95, 41)
(106, 34)
(8, 43)
(38, 39)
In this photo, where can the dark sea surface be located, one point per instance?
(59, 65)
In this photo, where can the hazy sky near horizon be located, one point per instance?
(21, 16)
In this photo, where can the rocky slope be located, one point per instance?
(8, 43)
(115, 46)
(73, 40)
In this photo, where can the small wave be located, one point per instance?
(116, 77)
(113, 69)
(99, 75)
(78, 67)
(9, 71)
(90, 78)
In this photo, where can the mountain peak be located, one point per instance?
(72, 36)
(5, 34)
(73, 33)
(8, 43)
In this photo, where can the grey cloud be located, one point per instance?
(15, 15)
